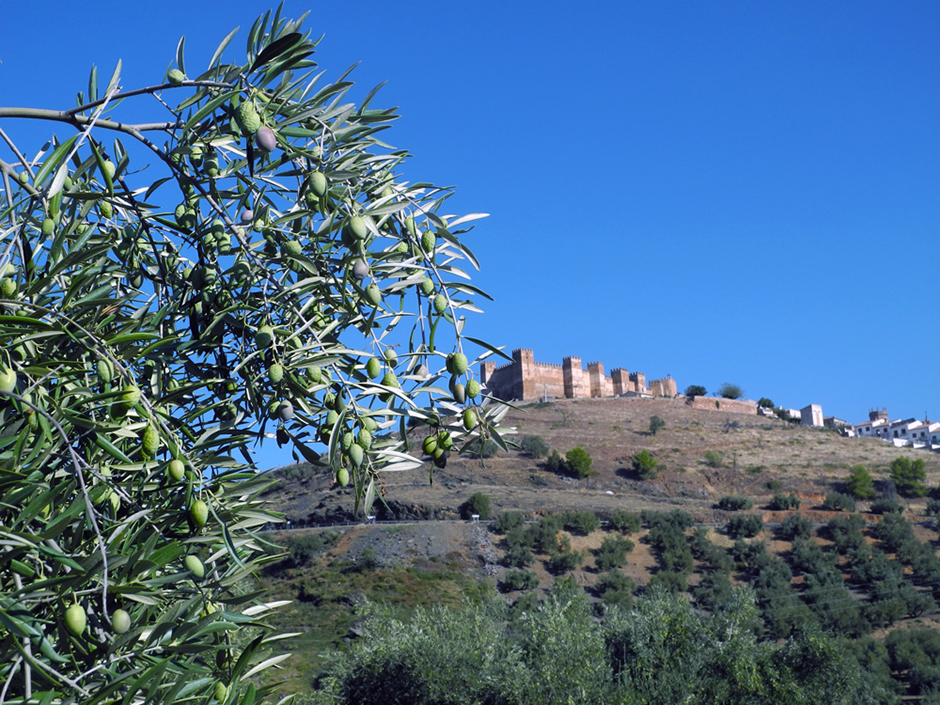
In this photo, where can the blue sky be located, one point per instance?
(738, 192)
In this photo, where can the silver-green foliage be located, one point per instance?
(660, 651)
(222, 278)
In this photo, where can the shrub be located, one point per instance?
(782, 502)
(303, 548)
(545, 533)
(732, 503)
(578, 462)
(860, 483)
(668, 580)
(713, 590)
(534, 446)
(773, 485)
(612, 553)
(518, 580)
(582, 523)
(506, 521)
(837, 502)
(909, 476)
(846, 532)
(480, 448)
(765, 403)
(564, 561)
(478, 503)
(656, 423)
(795, 525)
(518, 556)
(555, 463)
(615, 588)
(886, 506)
(714, 459)
(645, 465)
(730, 391)
(625, 522)
(745, 525)
(695, 390)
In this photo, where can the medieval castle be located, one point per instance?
(525, 379)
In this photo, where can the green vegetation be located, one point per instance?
(714, 458)
(745, 525)
(534, 446)
(733, 503)
(479, 504)
(507, 521)
(695, 390)
(836, 501)
(645, 465)
(576, 463)
(660, 651)
(730, 391)
(625, 522)
(909, 476)
(612, 553)
(782, 502)
(765, 403)
(860, 484)
(656, 425)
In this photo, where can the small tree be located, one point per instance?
(695, 390)
(534, 446)
(578, 463)
(836, 501)
(860, 483)
(714, 458)
(909, 476)
(507, 521)
(731, 503)
(730, 391)
(765, 403)
(515, 580)
(478, 503)
(656, 423)
(745, 525)
(625, 522)
(645, 465)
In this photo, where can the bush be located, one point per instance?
(303, 548)
(695, 390)
(837, 502)
(478, 503)
(795, 525)
(518, 580)
(534, 446)
(518, 556)
(656, 423)
(783, 502)
(733, 503)
(480, 448)
(846, 532)
(564, 561)
(765, 403)
(506, 521)
(730, 391)
(615, 588)
(612, 553)
(886, 506)
(714, 459)
(669, 581)
(625, 522)
(582, 523)
(909, 476)
(578, 462)
(860, 483)
(745, 525)
(645, 465)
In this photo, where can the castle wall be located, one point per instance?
(734, 406)
(665, 387)
(525, 379)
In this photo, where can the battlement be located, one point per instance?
(525, 379)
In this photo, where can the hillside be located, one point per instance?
(754, 451)
(422, 563)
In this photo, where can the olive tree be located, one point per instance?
(248, 266)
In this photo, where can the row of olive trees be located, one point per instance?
(249, 264)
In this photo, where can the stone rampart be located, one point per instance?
(734, 406)
(525, 379)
